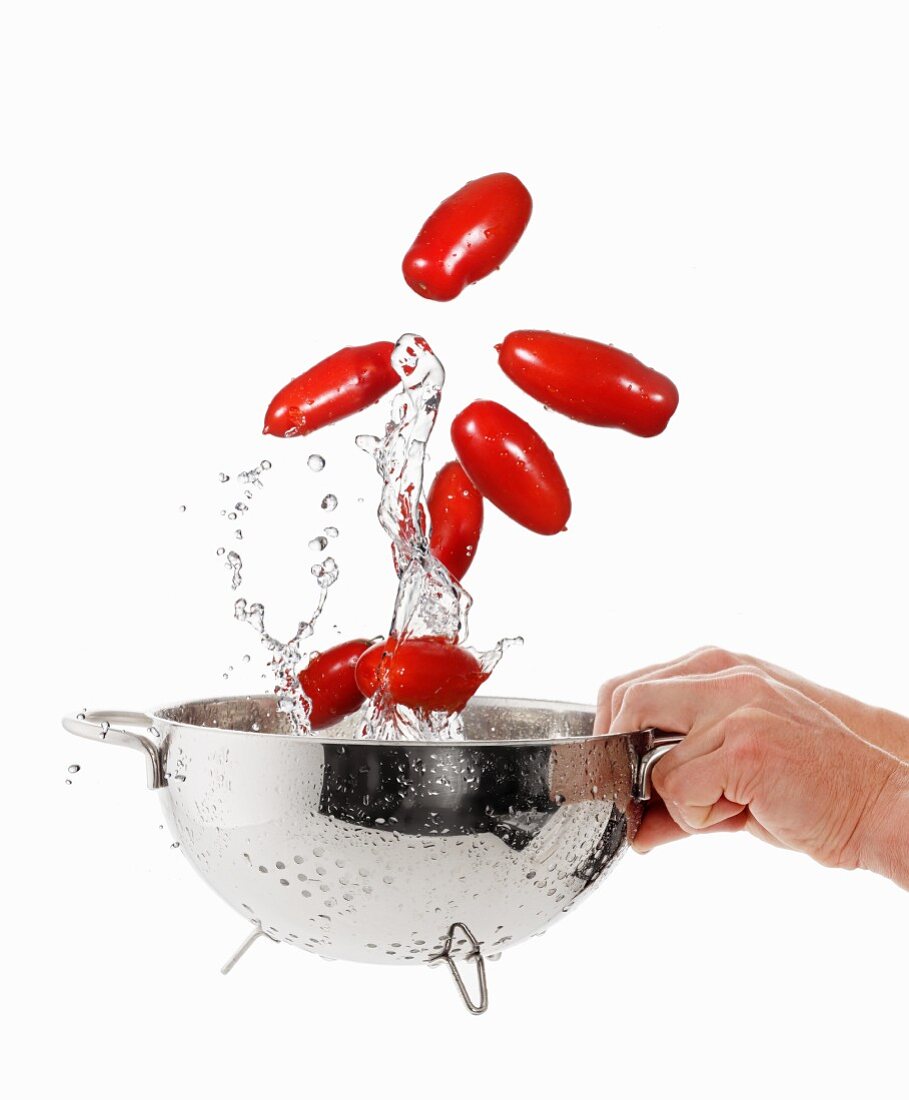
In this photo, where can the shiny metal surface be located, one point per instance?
(375, 851)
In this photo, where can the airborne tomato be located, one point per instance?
(512, 466)
(456, 518)
(329, 682)
(343, 384)
(468, 236)
(425, 674)
(588, 381)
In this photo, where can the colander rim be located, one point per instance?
(159, 714)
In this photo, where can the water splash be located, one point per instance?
(430, 601)
(285, 657)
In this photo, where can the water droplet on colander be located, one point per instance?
(318, 543)
(315, 463)
(329, 502)
(105, 729)
(176, 844)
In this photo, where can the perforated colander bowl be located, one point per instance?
(393, 851)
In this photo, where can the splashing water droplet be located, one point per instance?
(73, 768)
(235, 564)
(332, 532)
(182, 507)
(318, 543)
(220, 551)
(371, 444)
(329, 502)
(315, 463)
(223, 477)
(325, 572)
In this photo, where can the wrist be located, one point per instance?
(885, 849)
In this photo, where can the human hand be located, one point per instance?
(765, 751)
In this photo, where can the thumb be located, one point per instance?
(696, 791)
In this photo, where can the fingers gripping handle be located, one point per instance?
(107, 726)
(661, 744)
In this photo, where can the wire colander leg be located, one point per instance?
(476, 1008)
(244, 947)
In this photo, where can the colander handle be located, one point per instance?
(660, 743)
(107, 726)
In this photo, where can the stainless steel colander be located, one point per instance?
(393, 851)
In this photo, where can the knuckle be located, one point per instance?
(743, 740)
(754, 679)
(670, 784)
(716, 659)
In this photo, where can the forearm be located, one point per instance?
(883, 728)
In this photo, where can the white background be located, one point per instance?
(200, 200)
